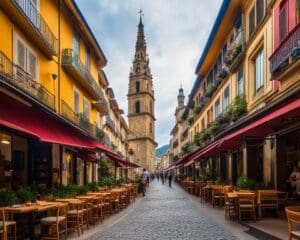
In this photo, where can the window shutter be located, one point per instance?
(292, 13)
(21, 54)
(251, 22)
(32, 65)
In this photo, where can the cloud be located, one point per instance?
(175, 31)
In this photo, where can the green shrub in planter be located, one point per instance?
(92, 186)
(201, 137)
(82, 189)
(210, 90)
(246, 183)
(59, 192)
(25, 195)
(238, 107)
(7, 197)
(191, 120)
(222, 74)
(213, 130)
(219, 181)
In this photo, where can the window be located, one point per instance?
(76, 42)
(137, 107)
(86, 108)
(260, 10)
(240, 82)
(202, 124)
(256, 15)
(137, 87)
(283, 22)
(259, 71)
(217, 108)
(226, 98)
(76, 97)
(87, 59)
(150, 128)
(25, 57)
(251, 22)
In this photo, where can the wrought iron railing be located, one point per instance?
(68, 113)
(71, 58)
(80, 120)
(32, 14)
(280, 57)
(17, 77)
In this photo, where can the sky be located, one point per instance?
(175, 31)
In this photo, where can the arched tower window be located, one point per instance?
(137, 107)
(137, 87)
(150, 128)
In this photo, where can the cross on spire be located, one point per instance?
(141, 13)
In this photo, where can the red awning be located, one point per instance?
(88, 156)
(261, 127)
(32, 121)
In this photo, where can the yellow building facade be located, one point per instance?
(51, 61)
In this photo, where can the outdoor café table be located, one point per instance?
(69, 200)
(32, 209)
(89, 197)
(207, 190)
(98, 194)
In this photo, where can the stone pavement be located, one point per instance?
(165, 214)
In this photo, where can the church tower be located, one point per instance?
(141, 118)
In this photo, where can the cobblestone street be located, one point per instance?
(165, 213)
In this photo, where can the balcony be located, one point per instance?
(25, 14)
(287, 54)
(16, 77)
(235, 52)
(81, 121)
(109, 122)
(74, 67)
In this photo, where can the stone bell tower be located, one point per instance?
(141, 118)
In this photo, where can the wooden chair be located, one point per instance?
(267, 199)
(75, 217)
(115, 200)
(54, 226)
(216, 195)
(246, 204)
(7, 225)
(293, 216)
(230, 205)
(98, 205)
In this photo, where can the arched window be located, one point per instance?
(137, 107)
(150, 128)
(137, 87)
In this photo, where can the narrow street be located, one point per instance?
(165, 213)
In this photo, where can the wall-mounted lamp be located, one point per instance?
(54, 76)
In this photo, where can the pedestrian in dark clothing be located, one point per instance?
(157, 176)
(162, 177)
(170, 179)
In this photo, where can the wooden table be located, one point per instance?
(88, 197)
(32, 210)
(69, 200)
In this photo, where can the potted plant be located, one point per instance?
(210, 90)
(219, 181)
(238, 107)
(191, 120)
(214, 129)
(92, 186)
(222, 74)
(7, 197)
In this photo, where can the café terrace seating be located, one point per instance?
(293, 216)
(65, 215)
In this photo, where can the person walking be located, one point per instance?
(170, 176)
(145, 179)
(162, 177)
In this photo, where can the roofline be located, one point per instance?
(89, 29)
(215, 28)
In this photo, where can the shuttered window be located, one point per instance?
(251, 22)
(217, 108)
(25, 57)
(226, 99)
(21, 54)
(283, 22)
(76, 101)
(86, 108)
(260, 10)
